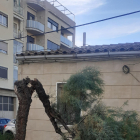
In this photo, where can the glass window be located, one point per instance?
(52, 24)
(5, 99)
(15, 73)
(3, 121)
(7, 103)
(54, 28)
(0, 107)
(15, 28)
(0, 18)
(3, 51)
(11, 100)
(5, 107)
(11, 107)
(4, 21)
(0, 99)
(3, 72)
(49, 24)
(52, 46)
(8, 120)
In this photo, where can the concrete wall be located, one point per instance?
(119, 87)
(6, 60)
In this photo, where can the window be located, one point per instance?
(15, 73)
(15, 3)
(52, 24)
(3, 19)
(3, 72)
(52, 46)
(3, 47)
(15, 28)
(17, 49)
(30, 16)
(69, 113)
(6, 103)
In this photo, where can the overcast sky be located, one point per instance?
(121, 30)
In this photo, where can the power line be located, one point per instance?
(75, 26)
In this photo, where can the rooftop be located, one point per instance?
(94, 53)
(61, 8)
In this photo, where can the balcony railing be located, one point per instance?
(35, 25)
(66, 41)
(18, 10)
(34, 47)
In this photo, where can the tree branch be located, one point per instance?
(52, 114)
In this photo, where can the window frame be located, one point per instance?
(8, 103)
(52, 43)
(1, 67)
(2, 21)
(53, 24)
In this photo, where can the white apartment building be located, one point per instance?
(20, 18)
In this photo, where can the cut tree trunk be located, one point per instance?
(24, 94)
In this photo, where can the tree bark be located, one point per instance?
(52, 114)
(24, 94)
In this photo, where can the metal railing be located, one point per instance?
(35, 24)
(18, 9)
(66, 41)
(34, 47)
(61, 8)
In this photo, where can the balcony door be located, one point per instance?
(30, 40)
(30, 16)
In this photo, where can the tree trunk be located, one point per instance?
(24, 94)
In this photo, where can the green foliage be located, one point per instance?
(103, 123)
(7, 136)
(83, 92)
(83, 88)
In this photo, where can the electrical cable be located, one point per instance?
(75, 26)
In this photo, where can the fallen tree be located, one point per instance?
(99, 122)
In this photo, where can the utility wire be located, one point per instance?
(75, 26)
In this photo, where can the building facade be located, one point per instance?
(19, 18)
(53, 68)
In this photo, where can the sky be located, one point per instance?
(120, 30)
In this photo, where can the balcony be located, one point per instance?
(35, 27)
(67, 42)
(18, 10)
(34, 47)
(36, 4)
